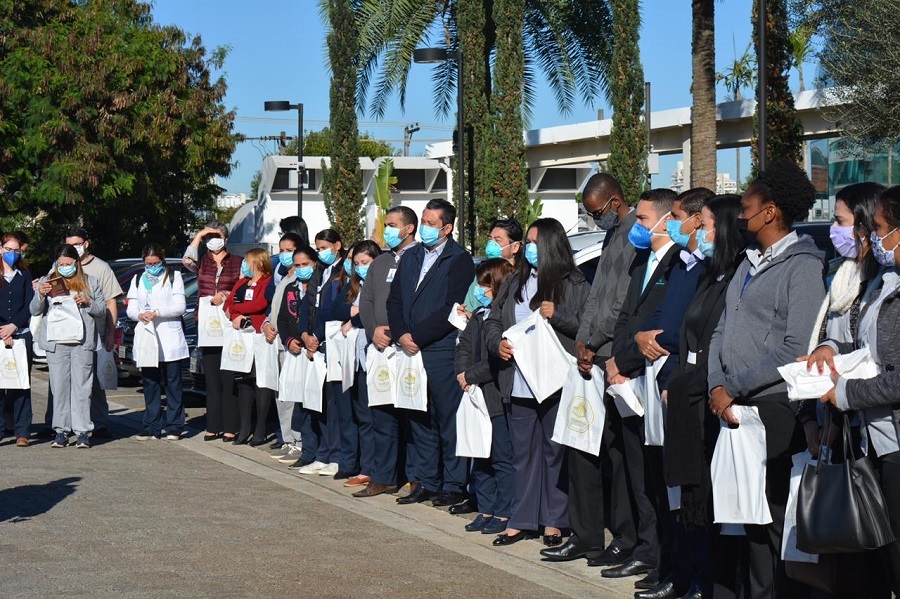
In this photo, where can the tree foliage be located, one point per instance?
(318, 143)
(628, 138)
(110, 121)
(740, 74)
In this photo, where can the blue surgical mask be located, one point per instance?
(327, 257)
(640, 236)
(673, 228)
(66, 271)
(531, 254)
(392, 237)
(155, 270)
(361, 271)
(10, 258)
(348, 266)
(883, 256)
(481, 296)
(286, 259)
(706, 247)
(430, 235)
(245, 270)
(304, 273)
(494, 249)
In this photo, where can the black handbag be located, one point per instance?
(840, 507)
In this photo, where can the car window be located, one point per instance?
(589, 268)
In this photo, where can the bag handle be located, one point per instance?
(846, 438)
(823, 440)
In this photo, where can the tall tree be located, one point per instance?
(342, 188)
(703, 91)
(740, 74)
(801, 49)
(628, 139)
(784, 132)
(108, 120)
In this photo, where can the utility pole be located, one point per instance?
(407, 136)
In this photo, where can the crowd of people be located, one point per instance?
(704, 295)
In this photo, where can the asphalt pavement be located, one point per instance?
(157, 518)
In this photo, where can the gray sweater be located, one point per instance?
(767, 321)
(92, 317)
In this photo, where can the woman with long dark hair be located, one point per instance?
(157, 296)
(549, 280)
(16, 293)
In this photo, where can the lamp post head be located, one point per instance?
(277, 106)
(431, 55)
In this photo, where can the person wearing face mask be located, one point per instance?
(505, 242)
(71, 362)
(875, 399)
(282, 262)
(430, 278)
(157, 296)
(492, 476)
(16, 293)
(100, 270)
(770, 311)
(389, 425)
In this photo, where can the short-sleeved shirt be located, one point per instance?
(101, 271)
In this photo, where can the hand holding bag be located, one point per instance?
(315, 380)
(63, 320)
(146, 345)
(293, 377)
(840, 507)
(582, 414)
(538, 355)
(473, 425)
(412, 382)
(237, 351)
(211, 324)
(14, 366)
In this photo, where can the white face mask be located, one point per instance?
(80, 249)
(215, 244)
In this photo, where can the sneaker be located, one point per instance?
(83, 442)
(280, 451)
(299, 463)
(173, 435)
(60, 440)
(329, 469)
(314, 468)
(146, 435)
(292, 455)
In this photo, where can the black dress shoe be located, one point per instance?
(569, 551)
(612, 556)
(240, 440)
(694, 593)
(257, 443)
(552, 540)
(418, 496)
(101, 433)
(650, 581)
(211, 436)
(466, 507)
(632, 567)
(446, 498)
(344, 475)
(478, 523)
(503, 540)
(665, 590)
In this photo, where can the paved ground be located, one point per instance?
(194, 519)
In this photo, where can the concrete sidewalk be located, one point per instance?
(195, 519)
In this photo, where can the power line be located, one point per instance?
(393, 124)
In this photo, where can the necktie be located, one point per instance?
(651, 266)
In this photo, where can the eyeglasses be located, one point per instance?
(6, 249)
(152, 263)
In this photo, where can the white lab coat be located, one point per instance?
(167, 299)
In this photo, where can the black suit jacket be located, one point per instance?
(639, 306)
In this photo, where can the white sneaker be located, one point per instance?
(329, 470)
(281, 451)
(313, 468)
(291, 456)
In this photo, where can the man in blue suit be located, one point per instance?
(432, 277)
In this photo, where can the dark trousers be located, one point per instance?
(385, 444)
(494, 476)
(318, 432)
(434, 431)
(17, 402)
(594, 480)
(347, 429)
(692, 557)
(888, 469)
(639, 474)
(783, 439)
(540, 481)
(99, 403)
(249, 394)
(362, 415)
(230, 411)
(219, 384)
(168, 376)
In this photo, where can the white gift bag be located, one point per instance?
(654, 415)
(334, 343)
(63, 320)
(381, 375)
(266, 356)
(211, 324)
(237, 350)
(456, 319)
(538, 355)
(315, 379)
(348, 359)
(145, 350)
(473, 425)
(14, 366)
(581, 415)
(809, 384)
(789, 550)
(738, 470)
(107, 372)
(412, 382)
(628, 397)
(292, 379)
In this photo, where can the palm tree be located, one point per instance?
(703, 91)
(801, 48)
(739, 75)
(568, 41)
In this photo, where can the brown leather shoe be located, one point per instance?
(22, 442)
(359, 480)
(372, 489)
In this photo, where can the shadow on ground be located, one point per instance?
(19, 504)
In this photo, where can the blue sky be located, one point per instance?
(278, 53)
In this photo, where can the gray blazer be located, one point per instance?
(92, 317)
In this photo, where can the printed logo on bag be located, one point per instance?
(109, 368)
(409, 382)
(384, 378)
(8, 370)
(579, 415)
(214, 327)
(236, 351)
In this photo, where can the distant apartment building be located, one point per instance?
(231, 200)
(724, 182)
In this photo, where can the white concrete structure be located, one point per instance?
(724, 182)
(231, 200)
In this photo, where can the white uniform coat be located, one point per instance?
(167, 299)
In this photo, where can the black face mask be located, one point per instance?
(742, 227)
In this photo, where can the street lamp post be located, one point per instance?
(438, 55)
(762, 81)
(281, 106)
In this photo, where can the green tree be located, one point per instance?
(740, 74)
(703, 92)
(628, 138)
(801, 49)
(342, 187)
(110, 121)
(318, 143)
(784, 132)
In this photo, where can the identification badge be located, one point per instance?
(248, 295)
(390, 275)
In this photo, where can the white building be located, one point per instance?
(231, 200)
(724, 182)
